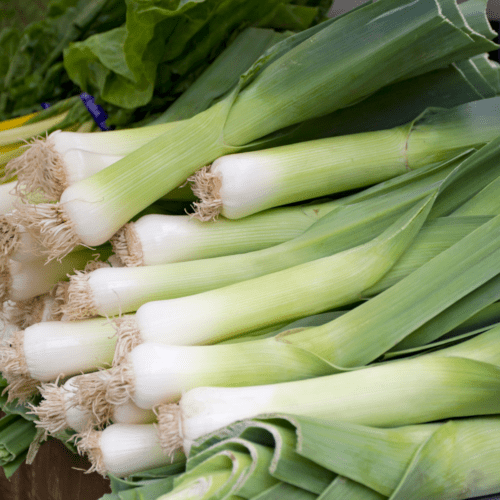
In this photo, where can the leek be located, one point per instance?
(479, 166)
(107, 293)
(16, 435)
(276, 92)
(285, 295)
(58, 411)
(362, 334)
(440, 387)
(52, 349)
(155, 373)
(120, 448)
(242, 184)
(161, 239)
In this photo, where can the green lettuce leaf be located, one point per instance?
(166, 44)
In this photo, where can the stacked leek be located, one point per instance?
(276, 92)
(214, 337)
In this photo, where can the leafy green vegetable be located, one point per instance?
(16, 435)
(35, 71)
(164, 43)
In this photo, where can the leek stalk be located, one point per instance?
(161, 239)
(242, 184)
(58, 411)
(361, 335)
(39, 349)
(108, 291)
(16, 435)
(155, 373)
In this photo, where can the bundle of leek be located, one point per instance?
(276, 92)
(444, 384)
(351, 221)
(466, 273)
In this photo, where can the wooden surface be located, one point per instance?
(52, 476)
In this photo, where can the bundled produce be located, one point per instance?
(16, 435)
(239, 185)
(339, 337)
(64, 158)
(375, 396)
(266, 99)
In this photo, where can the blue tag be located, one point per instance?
(45, 105)
(95, 110)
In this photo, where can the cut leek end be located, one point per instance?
(27, 312)
(90, 396)
(5, 279)
(60, 295)
(20, 387)
(49, 224)
(129, 337)
(127, 246)
(12, 359)
(206, 186)
(40, 168)
(170, 428)
(89, 443)
(9, 237)
(120, 385)
(78, 299)
(51, 411)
